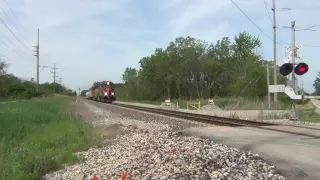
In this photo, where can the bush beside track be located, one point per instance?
(38, 136)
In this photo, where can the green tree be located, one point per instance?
(12, 87)
(189, 68)
(316, 85)
(83, 92)
(3, 67)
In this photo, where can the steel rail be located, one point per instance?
(216, 120)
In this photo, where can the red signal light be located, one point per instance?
(301, 69)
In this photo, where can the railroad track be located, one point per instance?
(222, 121)
(216, 120)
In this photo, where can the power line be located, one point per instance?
(3, 43)
(20, 53)
(10, 19)
(265, 5)
(2, 55)
(14, 34)
(306, 45)
(254, 22)
(294, 8)
(12, 12)
(17, 50)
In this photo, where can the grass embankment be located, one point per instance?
(38, 136)
(307, 112)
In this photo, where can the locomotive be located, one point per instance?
(103, 91)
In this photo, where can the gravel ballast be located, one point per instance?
(153, 149)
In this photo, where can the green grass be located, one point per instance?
(38, 136)
(231, 103)
(309, 116)
(308, 113)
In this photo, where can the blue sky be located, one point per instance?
(92, 40)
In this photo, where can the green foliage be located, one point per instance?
(309, 115)
(190, 68)
(316, 85)
(38, 136)
(12, 87)
(83, 92)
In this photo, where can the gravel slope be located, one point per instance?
(149, 147)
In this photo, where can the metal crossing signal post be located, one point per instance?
(299, 69)
(293, 57)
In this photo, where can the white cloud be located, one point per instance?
(96, 39)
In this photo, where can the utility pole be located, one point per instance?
(293, 28)
(54, 77)
(59, 81)
(274, 49)
(268, 81)
(37, 55)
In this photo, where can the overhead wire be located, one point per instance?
(3, 43)
(266, 6)
(264, 33)
(14, 35)
(17, 50)
(10, 19)
(12, 12)
(2, 55)
(294, 8)
(253, 22)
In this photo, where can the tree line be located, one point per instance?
(12, 87)
(316, 85)
(190, 68)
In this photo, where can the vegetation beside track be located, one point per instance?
(38, 136)
(307, 112)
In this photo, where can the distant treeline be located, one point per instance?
(12, 87)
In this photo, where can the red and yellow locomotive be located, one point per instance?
(103, 91)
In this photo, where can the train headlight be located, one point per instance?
(105, 93)
(112, 93)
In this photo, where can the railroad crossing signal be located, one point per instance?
(300, 69)
(286, 69)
